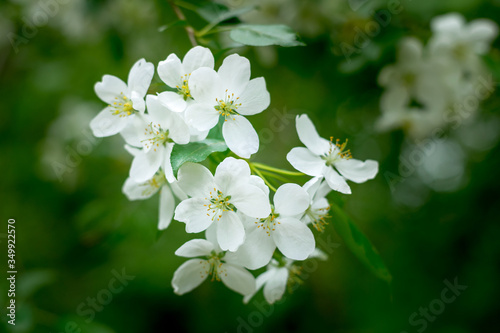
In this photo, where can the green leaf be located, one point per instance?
(216, 13)
(195, 152)
(359, 245)
(263, 35)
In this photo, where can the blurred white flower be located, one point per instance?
(214, 262)
(460, 42)
(321, 156)
(215, 199)
(125, 100)
(281, 229)
(228, 93)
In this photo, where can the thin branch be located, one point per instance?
(189, 29)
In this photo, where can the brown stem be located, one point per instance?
(180, 15)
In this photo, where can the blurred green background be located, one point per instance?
(76, 230)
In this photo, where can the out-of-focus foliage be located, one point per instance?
(432, 214)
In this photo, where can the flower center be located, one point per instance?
(409, 79)
(218, 203)
(337, 151)
(215, 268)
(122, 107)
(268, 224)
(228, 106)
(294, 277)
(156, 136)
(183, 90)
(460, 51)
(318, 217)
(154, 183)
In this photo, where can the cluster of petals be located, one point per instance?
(429, 84)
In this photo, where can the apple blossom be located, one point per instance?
(321, 156)
(125, 100)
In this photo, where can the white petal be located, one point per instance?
(482, 32)
(293, 238)
(261, 279)
(448, 23)
(312, 185)
(410, 50)
(194, 214)
(201, 116)
(231, 172)
(336, 181)
(323, 190)
(107, 124)
(170, 71)
(211, 236)
(137, 101)
(255, 98)
(177, 191)
(140, 77)
(238, 279)
(166, 208)
(240, 136)
(195, 248)
(259, 182)
(109, 88)
(276, 284)
(133, 131)
(250, 200)
(132, 150)
(310, 137)
(189, 275)
(173, 101)
(234, 73)
(197, 57)
(356, 170)
(195, 180)
(146, 164)
(167, 165)
(291, 199)
(230, 231)
(204, 84)
(318, 254)
(257, 250)
(158, 112)
(177, 128)
(138, 191)
(305, 161)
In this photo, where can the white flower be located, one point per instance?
(215, 262)
(278, 276)
(318, 208)
(413, 79)
(281, 229)
(321, 156)
(214, 200)
(145, 190)
(125, 100)
(460, 42)
(228, 93)
(161, 129)
(176, 75)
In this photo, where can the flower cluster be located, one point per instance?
(244, 229)
(431, 86)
